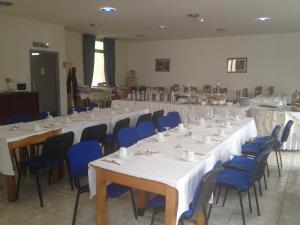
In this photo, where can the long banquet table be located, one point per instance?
(27, 134)
(167, 173)
(188, 112)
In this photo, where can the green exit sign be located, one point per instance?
(38, 44)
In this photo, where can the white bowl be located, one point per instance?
(214, 102)
(221, 102)
(203, 103)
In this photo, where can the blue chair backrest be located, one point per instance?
(174, 118)
(20, 118)
(205, 188)
(145, 129)
(163, 122)
(127, 137)
(77, 109)
(44, 115)
(286, 131)
(92, 105)
(275, 131)
(81, 154)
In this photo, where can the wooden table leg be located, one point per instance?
(200, 218)
(142, 198)
(101, 199)
(11, 188)
(171, 206)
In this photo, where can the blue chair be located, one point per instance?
(143, 118)
(80, 155)
(163, 122)
(77, 109)
(248, 164)
(110, 140)
(242, 181)
(285, 135)
(127, 137)
(201, 197)
(44, 115)
(145, 129)
(155, 116)
(92, 105)
(274, 134)
(20, 118)
(174, 118)
(54, 153)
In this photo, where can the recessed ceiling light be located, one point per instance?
(193, 15)
(108, 10)
(94, 24)
(263, 19)
(163, 27)
(5, 3)
(200, 19)
(221, 29)
(140, 35)
(35, 53)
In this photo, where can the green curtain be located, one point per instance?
(109, 61)
(88, 51)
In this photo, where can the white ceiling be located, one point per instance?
(134, 17)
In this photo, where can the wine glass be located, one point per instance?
(167, 131)
(87, 109)
(48, 115)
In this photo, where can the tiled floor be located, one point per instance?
(279, 204)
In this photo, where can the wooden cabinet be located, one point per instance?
(18, 103)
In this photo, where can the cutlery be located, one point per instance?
(198, 153)
(111, 161)
(216, 140)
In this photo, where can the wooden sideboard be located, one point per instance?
(18, 103)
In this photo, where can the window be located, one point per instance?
(98, 75)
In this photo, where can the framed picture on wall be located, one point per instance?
(162, 65)
(237, 65)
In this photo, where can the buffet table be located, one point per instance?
(155, 173)
(267, 118)
(188, 112)
(23, 134)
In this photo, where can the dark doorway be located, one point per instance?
(45, 79)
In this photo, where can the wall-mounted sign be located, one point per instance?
(38, 44)
(162, 65)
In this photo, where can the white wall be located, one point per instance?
(272, 60)
(16, 37)
(74, 53)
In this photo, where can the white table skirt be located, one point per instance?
(77, 124)
(169, 168)
(188, 112)
(266, 119)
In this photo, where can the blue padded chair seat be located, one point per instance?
(262, 140)
(240, 162)
(108, 139)
(250, 149)
(115, 190)
(38, 163)
(235, 179)
(157, 202)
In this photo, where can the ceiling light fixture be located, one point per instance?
(200, 19)
(35, 53)
(140, 35)
(221, 29)
(5, 3)
(193, 15)
(94, 24)
(263, 19)
(108, 10)
(163, 27)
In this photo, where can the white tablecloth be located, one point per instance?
(188, 112)
(168, 166)
(76, 124)
(266, 119)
